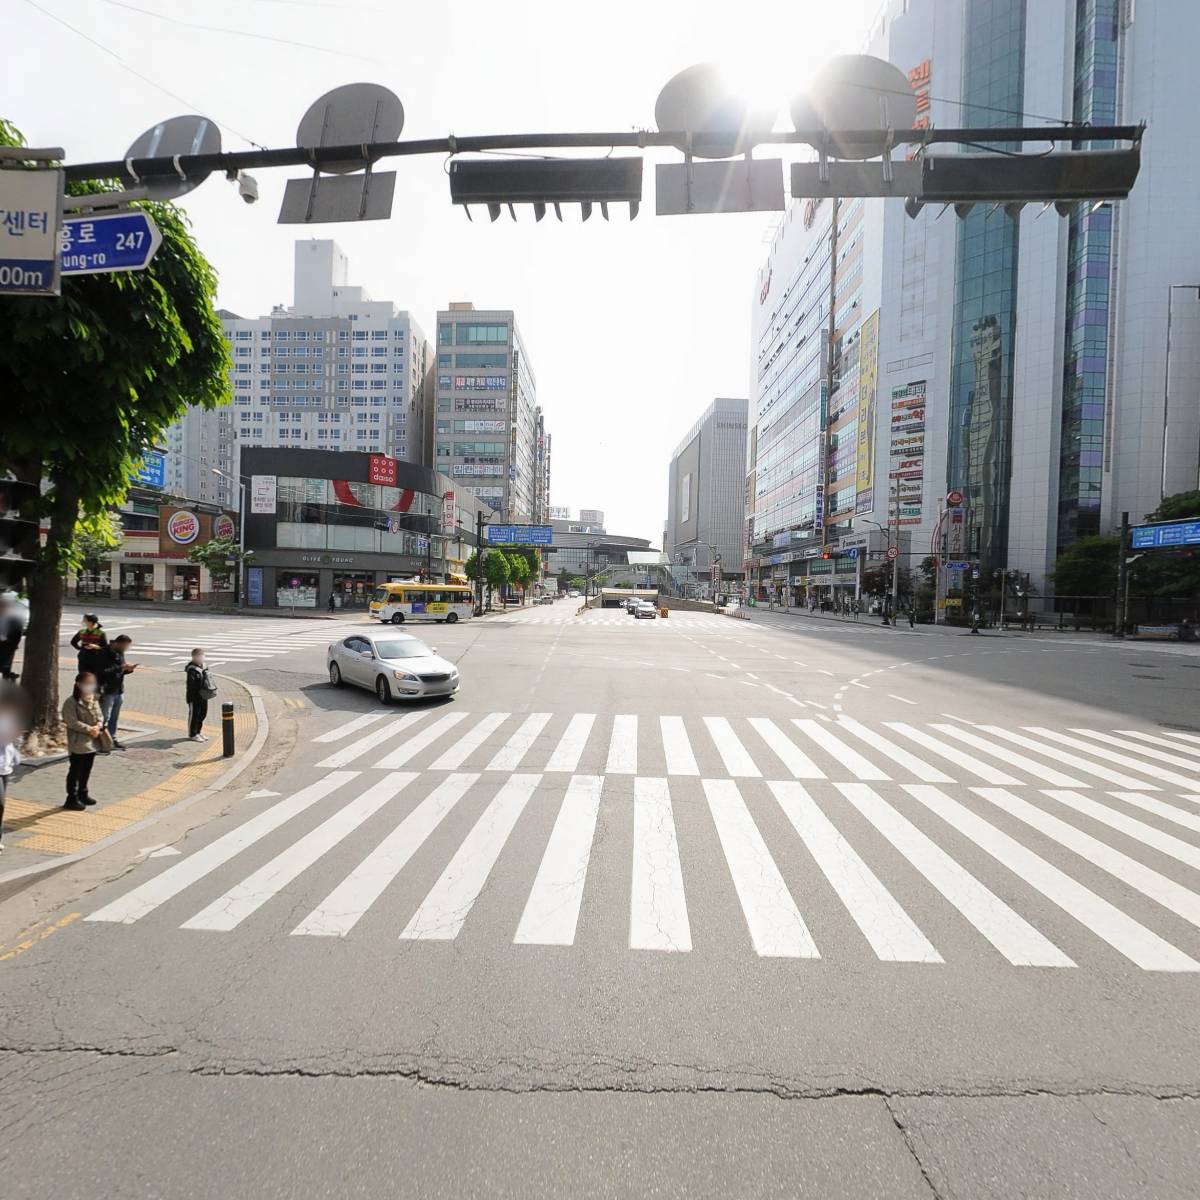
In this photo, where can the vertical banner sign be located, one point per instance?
(30, 224)
(906, 471)
(448, 513)
(819, 494)
(382, 469)
(868, 379)
(262, 494)
(254, 586)
(956, 540)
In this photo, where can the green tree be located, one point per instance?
(1087, 567)
(496, 572)
(216, 555)
(520, 572)
(89, 380)
(1170, 573)
(94, 546)
(577, 583)
(564, 580)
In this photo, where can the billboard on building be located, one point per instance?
(262, 493)
(906, 457)
(868, 379)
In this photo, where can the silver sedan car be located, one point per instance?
(392, 665)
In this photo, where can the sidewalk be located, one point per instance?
(160, 768)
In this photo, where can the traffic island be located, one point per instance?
(160, 769)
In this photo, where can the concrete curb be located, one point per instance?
(88, 603)
(16, 881)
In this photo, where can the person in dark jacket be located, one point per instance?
(111, 669)
(197, 701)
(89, 641)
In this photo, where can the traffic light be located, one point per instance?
(18, 532)
(553, 181)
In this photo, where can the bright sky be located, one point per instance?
(632, 328)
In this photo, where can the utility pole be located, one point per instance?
(896, 560)
(1122, 578)
(479, 560)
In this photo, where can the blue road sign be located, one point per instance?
(124, 241)
(957, 566)
(1173, 533)
(152, 471)
(852, 552)
(520, 535)
(30, 212)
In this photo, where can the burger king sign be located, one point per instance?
(183, 528)
(223, 526)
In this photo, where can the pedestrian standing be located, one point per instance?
(89, 641)
(12, 629)
(85, 735)
(111, 671)
(200, 690)
(14, 723)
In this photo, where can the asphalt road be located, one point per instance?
(677, 908)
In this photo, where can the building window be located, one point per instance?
(445, 333)
(474, 333)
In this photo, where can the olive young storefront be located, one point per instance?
(326, 524)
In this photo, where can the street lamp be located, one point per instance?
(889, 598)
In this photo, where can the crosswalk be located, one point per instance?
(815, 746)
(418, 815)
(240, 643)
(610, 618)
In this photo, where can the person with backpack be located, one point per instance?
(85, 736)
(200, 690)
(89, 641)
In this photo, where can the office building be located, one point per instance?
(490, 434)
(706, 495)
(584, 551)
(1043, 366)
(336, 371)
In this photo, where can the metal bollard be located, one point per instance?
(227, 746)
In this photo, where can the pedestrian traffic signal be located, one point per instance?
(18, 531)
(553, 181)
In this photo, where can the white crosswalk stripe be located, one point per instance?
(466, 745)
(552, 911)
(676, 747)
(983, 770)
(570, 746)
(622, 750)
(733, 753)
(509, 757)
(858, 766)
(444, 910)
(1139, 944)
(423, 737)
(1011, 757)
(658, 917)
(1124, 760)
(868, 853)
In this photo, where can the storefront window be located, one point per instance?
(296, 589)
(353, 590)
(94, 583)
(137, 583)
(186, 584)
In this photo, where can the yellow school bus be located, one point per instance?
(395, 603)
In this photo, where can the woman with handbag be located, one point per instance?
(85, 736)
(200, 690)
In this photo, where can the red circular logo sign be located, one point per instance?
(183, 528)
(954, 499)
(223, 527)
(893, 552)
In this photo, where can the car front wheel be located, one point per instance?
(335, 675)
(397, 618)
(383, 691)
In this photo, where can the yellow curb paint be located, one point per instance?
(32, 939)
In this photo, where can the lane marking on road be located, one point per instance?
(677, 749)
(341, 910)
(1010, 757)
(658, 918)
(552, 911)
(355, 750)
(985, 771)
(458, 753)
(776, 927)
(860, 767)
(902, 699)
(1070, 760)
(508, 757)
(571, 745)
(891, 932)
(733, 752)
(231, 909)
(925, 772)
(444, 910)
(1137, 943)
(36, 933)
(404, 753)
(336, 735)
(144, 899)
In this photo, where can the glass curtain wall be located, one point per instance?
(980, 449)
(1089, 270)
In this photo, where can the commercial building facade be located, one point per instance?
(324, 523)
(1044, 367)
(706, 482)
(489, 432)
(336, 371)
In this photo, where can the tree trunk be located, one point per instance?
(47, 583)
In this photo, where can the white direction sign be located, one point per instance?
(30, 219)
(124, 241)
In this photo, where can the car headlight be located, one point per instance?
(406, 676)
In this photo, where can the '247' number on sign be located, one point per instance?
(134, 240)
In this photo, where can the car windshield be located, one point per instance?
(406, 648)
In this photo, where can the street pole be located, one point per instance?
(1122, 579)
(1003, 589)
(242, 547)
(479, 560)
